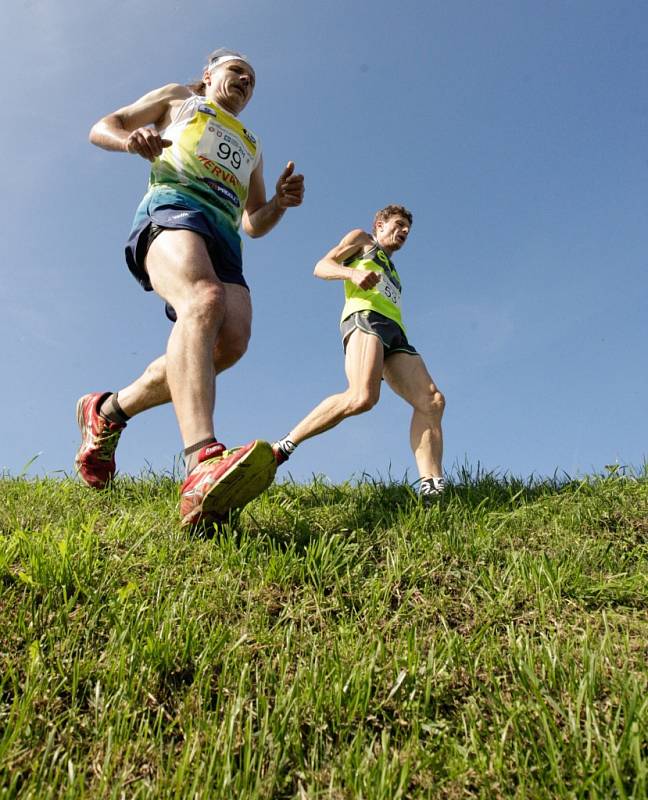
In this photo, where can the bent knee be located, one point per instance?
(360, 402)
(433, 402)
(437, 402)
(205, 303)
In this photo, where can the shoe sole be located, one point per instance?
(243, 481)
(80, 423)
(98, 486)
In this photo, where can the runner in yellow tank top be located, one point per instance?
(383, 298)
(376, 346)
(206, 180)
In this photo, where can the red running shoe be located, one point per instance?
(224, 481)
(95, 458)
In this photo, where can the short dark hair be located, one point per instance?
(391, 211)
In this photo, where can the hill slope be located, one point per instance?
(334, 641)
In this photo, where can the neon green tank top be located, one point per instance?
(385, 297)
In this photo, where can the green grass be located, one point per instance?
(333, 642)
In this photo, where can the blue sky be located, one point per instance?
(515, 131)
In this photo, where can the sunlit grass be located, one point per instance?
(333, 641)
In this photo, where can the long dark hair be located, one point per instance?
(197, 87)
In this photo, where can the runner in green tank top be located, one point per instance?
(376, 347)
(206, 182)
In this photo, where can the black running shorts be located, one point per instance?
(390, 333)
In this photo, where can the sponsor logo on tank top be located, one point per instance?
(220, 172)
(207, 110)
(223, 191)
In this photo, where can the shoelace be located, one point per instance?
(106, 442)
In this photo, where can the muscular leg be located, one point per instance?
(407, 375)
(181, 272)
(363, 365)
(152, 389)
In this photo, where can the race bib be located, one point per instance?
(388, 290)
(228, 161)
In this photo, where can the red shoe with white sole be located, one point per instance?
(95, 458)
(224, 480)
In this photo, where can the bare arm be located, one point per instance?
(331, 268)
(261, 215)
(128, 129)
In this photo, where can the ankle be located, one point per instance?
(201, 451)
(110, 410)
(283, 449)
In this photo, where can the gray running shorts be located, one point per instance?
(389, 332)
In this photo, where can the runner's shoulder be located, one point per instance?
(164, 96)
(352, 245)
(357, 237)
(172, 91)
(164, 102)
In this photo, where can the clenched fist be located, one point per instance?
(146, 142)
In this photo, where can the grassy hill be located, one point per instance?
(333, 642)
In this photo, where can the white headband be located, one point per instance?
(222, 59)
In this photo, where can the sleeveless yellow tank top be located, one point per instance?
(385, 297)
